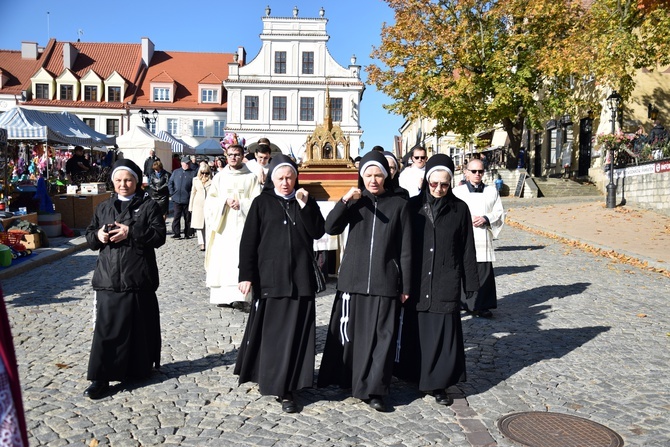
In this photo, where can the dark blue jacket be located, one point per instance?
(180, 185)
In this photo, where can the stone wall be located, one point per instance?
(645, 186)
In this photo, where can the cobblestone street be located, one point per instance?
(573, 333)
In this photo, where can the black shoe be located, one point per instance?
(377, 403)
(483, 313)
(176, 236)
(442, 398)
(188, 237)
(97, 389)
(288, 404)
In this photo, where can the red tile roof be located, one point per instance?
(103, 58)
(17, 70)
(187, 70)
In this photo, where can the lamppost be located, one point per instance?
(146, 119)
(613, 102)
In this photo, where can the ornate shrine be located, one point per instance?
(327, 171)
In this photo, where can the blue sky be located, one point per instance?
(208, 26)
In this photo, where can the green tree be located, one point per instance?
(471, 64)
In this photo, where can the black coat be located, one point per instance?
(276, 251)
(129, 264)
(377, 259)
(444, 255)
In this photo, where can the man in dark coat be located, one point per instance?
(179, 185)
(149, 163)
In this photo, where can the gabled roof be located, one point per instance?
(17, 70)
(162, 77)
(187, 70)
(103, 58)
(210, 79)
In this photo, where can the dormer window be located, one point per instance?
(162, 94)
(113, 94)
(66, 92)
(90, 93)
(41, 91)
(209, 95)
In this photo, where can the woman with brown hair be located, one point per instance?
(158, 186)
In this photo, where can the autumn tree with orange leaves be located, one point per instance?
(472, 64)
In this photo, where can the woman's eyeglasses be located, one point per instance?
(441, 185)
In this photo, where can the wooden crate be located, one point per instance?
(64, 204)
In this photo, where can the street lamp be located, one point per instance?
(613, 102)
(146, 119)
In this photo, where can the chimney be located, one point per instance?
(29, 50)
(70, 54)
(147, 50)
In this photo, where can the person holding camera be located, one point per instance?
(125, 229)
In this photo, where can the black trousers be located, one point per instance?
(181, 209)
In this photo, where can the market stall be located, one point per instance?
(136, 143)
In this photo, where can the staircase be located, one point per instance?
(560, 187)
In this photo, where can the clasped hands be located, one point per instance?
(113, 233)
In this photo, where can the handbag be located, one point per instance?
(320, 278)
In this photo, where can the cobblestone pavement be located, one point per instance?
(573, 333)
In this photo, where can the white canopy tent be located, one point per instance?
(136, 143)
(210, 146)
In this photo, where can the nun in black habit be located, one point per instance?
(276, 261)
(373, 279)
(430, 338)
(125, 229)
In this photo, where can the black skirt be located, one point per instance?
(360, 344)
(277, 350)
(127, 336)
(486, 297)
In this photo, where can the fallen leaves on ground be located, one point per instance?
(62, 365)
(642, 315)
(610, 254)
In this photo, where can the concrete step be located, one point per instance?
(560, 187)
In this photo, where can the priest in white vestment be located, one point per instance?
(226, 207)
(488, 218)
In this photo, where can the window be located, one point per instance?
(306, 109)
(279, 108)
(280, 62)
(308, 62)
(219, 128)
(336, 109)
(209, 95)
(113, 127)
(113, 94)
(173, 126)
(251, 107)
(90, 122)
(90, 93)
(41, 91)
(161, 94)
(151, 127)
(198, 128)
(66, 92)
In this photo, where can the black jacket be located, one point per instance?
(129, 264)
(180, 184)
(158, 186)
(443, 250)
(377, 259)
(276, 248)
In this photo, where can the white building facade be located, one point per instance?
(281, 93)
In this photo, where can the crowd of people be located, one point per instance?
(419, 252)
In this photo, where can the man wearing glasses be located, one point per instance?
(226, 206)
(411, 177)
(488, 218)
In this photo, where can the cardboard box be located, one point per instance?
(93, 188)
(31, 241)
(32, 218)
(84, 208)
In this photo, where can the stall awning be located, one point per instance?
(63, 127)
(178, 146)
